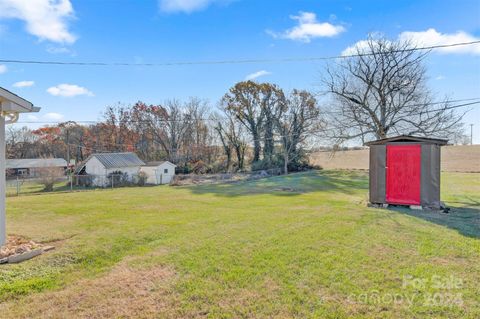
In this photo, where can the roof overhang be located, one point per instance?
(12, 103)
(408, 139)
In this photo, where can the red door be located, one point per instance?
(403, 174)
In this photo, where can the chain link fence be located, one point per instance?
(20, 185)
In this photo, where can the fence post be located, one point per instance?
(113, 177)
(18, 187)
(71, 182)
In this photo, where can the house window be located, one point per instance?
(165, 171)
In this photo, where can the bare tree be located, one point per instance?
(298, 121)
(244, 100)
(232, 138)
(227, 146)
(236, 137)
(168, 127)
(272, 104)
(383, 91)
(197, 136)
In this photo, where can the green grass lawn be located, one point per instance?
(304, 245)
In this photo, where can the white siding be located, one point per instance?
(95, 168)
(157, 175)
(150, 172)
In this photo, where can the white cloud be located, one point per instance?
(255, 75)
(68, 90)
(428, 38)
(440, 77)
(186, 6)
(23, 84)
(45, 19)
(361, 46)
(432, 37)
(308, 28)
(52, 116)
(3, 68)
(32, 117)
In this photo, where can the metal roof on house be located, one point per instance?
(408, 138)
(35, 163)
(114, 160)
(158, 163)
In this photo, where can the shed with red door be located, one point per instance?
(405, 170)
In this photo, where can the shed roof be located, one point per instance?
(113, 160)
(408, 138)
(35, 163)
(158, 163)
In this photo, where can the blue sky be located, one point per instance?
(197, 30)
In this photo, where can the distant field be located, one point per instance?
(303, 246)
(454, 159)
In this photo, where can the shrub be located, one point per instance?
(119, 178)
(49, 176)
(142, 178)
(200, 167)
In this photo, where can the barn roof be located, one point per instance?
(408, 138)
(35, 163)
(113, 160)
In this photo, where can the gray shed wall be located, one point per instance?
(430, 175)
(378, 156)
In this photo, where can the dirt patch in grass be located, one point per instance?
(287, 189)
(124, 292)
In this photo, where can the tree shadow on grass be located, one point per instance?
(465, 220)
(346, 182)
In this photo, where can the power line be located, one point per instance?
(477, 101)
(233, 61)
(135, 147)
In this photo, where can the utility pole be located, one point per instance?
(68, 146)
(471, 134)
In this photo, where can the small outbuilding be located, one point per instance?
(405, 170)
(159, 172)
(100, 165)
(34, 167)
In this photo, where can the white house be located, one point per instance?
(159, 172)
(100, 165)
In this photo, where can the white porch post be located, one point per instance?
(3, 231)
(11, 105)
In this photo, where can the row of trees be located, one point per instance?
(191, 134)
(381, 91)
